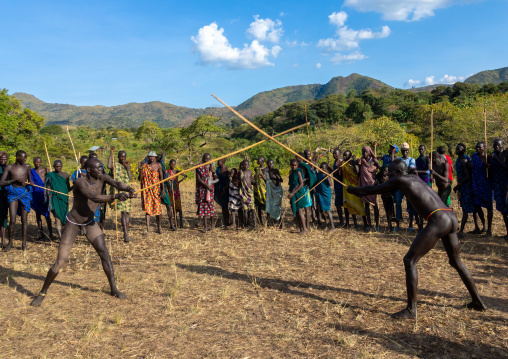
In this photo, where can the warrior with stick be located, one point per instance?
(87, 196)
(122, 173)
(441, 224)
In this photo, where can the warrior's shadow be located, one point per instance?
(7, 277)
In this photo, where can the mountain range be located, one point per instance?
(168, 115)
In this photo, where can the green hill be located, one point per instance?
(489, 77)
(128, 115)
(269, 101)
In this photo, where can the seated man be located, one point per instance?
(87, 196)
(441, 223)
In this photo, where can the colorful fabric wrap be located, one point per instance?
(22, 194)
(150, 198)
(40, 202)
(259, 188)
(58, 202)
(120, 174)
(274, 196)
(303, 195)
(205, 207)
(323, 193)
(352, 203)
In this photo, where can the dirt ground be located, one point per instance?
(252, 294)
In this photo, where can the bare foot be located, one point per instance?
(460, 234)
(8, 247)
(488, 234)
(303, 233)
(330, 230)
(476, 306)
(37, 300)
(118, 294)
(126, 239)
(404, 314)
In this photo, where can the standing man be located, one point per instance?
(482, 190)
(39, 203)
(259, 187)
(205, 192)
(247, 194)
(274, 192)
(442, 151)
(411, 165)
(221, 190)
(299, 197)
(465, 189)
(337, 187)
(87, 195)
(4, 205)
(122, 173)
(499, 179)
(161, 158)
(174, 189)
(440, 171)
(17, 179)
(58, 203)
(149, 174)
(390, 157)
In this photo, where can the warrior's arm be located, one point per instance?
(118, 185)
(85, 190)
(3, 180)
(386, 187)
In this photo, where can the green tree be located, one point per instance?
(149, 132)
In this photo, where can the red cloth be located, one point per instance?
(450, 167)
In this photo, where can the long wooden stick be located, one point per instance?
(317, 184)
(219, 158)
(47, 155)
(72, 143)
(485, 120)
(276, 141)
(431, 136)
(308, 133)
(116, 206)
(47, 189)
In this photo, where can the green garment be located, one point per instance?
(303, 202)
(165, 194)
(58, 202)
(259, 188)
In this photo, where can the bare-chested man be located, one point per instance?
(19, 195)
(247, 180)
(440, 170)
(441, 224)
(4, 205)
(87, 196)
(260, 188)
(39, 203)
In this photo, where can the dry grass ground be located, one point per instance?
(265, 294)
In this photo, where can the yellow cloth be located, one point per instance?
(352, 203)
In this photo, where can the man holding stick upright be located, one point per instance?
(87, 196)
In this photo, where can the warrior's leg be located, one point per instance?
(24, 227)
(423, 243)
(96, 238)
(64, 249)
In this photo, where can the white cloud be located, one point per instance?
(445, 80)
(214, 48)
(411, 83)
(339, 58)
(265, 29)
(429, 80)
(338, 18)
(318, 65)
(347, 39)
(281, 14)
(275, 50)
(401, 10)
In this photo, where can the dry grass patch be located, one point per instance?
(268, 293)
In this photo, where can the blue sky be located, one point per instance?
(114, 52)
